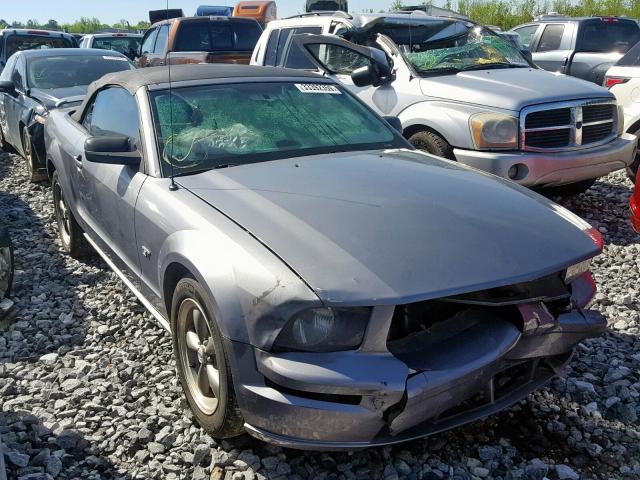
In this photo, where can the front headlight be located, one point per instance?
(324, 330)
(494, 131)
(620, 119)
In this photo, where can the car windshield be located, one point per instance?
(18, 43)
(126, 45)
(72, 70)
(446, 45)
(206, 127)
(217, 36)
(608, 34)
(631, 58)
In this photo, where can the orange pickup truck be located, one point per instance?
(199, 40)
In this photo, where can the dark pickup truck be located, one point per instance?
(582, 47)
(199, 40)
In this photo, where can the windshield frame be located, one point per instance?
(387, 39)
(398, 141)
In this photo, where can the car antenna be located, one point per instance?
(172, 186)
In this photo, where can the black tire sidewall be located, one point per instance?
(432, 143)
(217, 422)
(71, 246)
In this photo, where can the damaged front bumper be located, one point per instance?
(358, 399)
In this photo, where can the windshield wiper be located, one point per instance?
(489, 66)
(201, 170)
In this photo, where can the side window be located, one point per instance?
(295, 57)
(113, 112)
(339, 59)
(163, 37)
(551, 38)
(18, 75)
(272, 49)
(149, 40)
(526, 34)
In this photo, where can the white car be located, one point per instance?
(492, 111)
(125, 43)
(623, 79)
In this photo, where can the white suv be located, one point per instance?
(461, 92)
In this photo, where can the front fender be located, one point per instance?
(253, 293)
(450, 120)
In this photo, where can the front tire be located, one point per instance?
(70, 233)
(433, 143)
(27, 148)
(202, 362)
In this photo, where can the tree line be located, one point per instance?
(507, 14)
(84, 25)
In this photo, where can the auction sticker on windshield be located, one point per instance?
(318, 88)
(120, 59)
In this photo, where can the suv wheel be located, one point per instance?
(27, 148)
(202, 362)
(71, 235)
(432, 143)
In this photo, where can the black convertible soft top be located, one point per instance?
(132, 80)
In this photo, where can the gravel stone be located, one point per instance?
(88, 387)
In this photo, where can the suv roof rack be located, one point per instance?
(322, 13)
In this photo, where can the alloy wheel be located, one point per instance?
(198, 356)
(63, 216)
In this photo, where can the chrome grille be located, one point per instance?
(568, 125)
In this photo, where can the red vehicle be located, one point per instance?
(634, 203)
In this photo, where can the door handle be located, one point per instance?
(78, 161)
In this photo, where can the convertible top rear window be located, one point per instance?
(18, 43)
(206, 127)
(72, 70)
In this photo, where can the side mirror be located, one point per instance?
(7, 87)
(394, 122)
(366, 76)
(112, 150)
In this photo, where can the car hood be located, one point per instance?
(510, 88)
(395, 226)
(50, 96)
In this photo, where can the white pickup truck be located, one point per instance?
(462, 92)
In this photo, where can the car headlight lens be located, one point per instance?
(494, 131)
(324, 330)
(620, 120)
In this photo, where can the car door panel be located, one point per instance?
(108, 193)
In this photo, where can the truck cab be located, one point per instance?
(458, 90)
(211, 39)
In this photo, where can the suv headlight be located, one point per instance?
(494, 131)
(324, 330)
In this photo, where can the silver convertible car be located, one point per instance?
(326, 286)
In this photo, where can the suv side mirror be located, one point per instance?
(112, 150)
(7, 86)
(375, 74)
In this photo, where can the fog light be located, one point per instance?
(518, 171)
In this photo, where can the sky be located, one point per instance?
(112, 11)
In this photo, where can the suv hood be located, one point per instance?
(510, 88)
(396, 226)
(50, 96)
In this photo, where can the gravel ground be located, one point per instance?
(88, 390)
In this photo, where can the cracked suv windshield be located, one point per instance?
(446, 46)
(226, 125)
